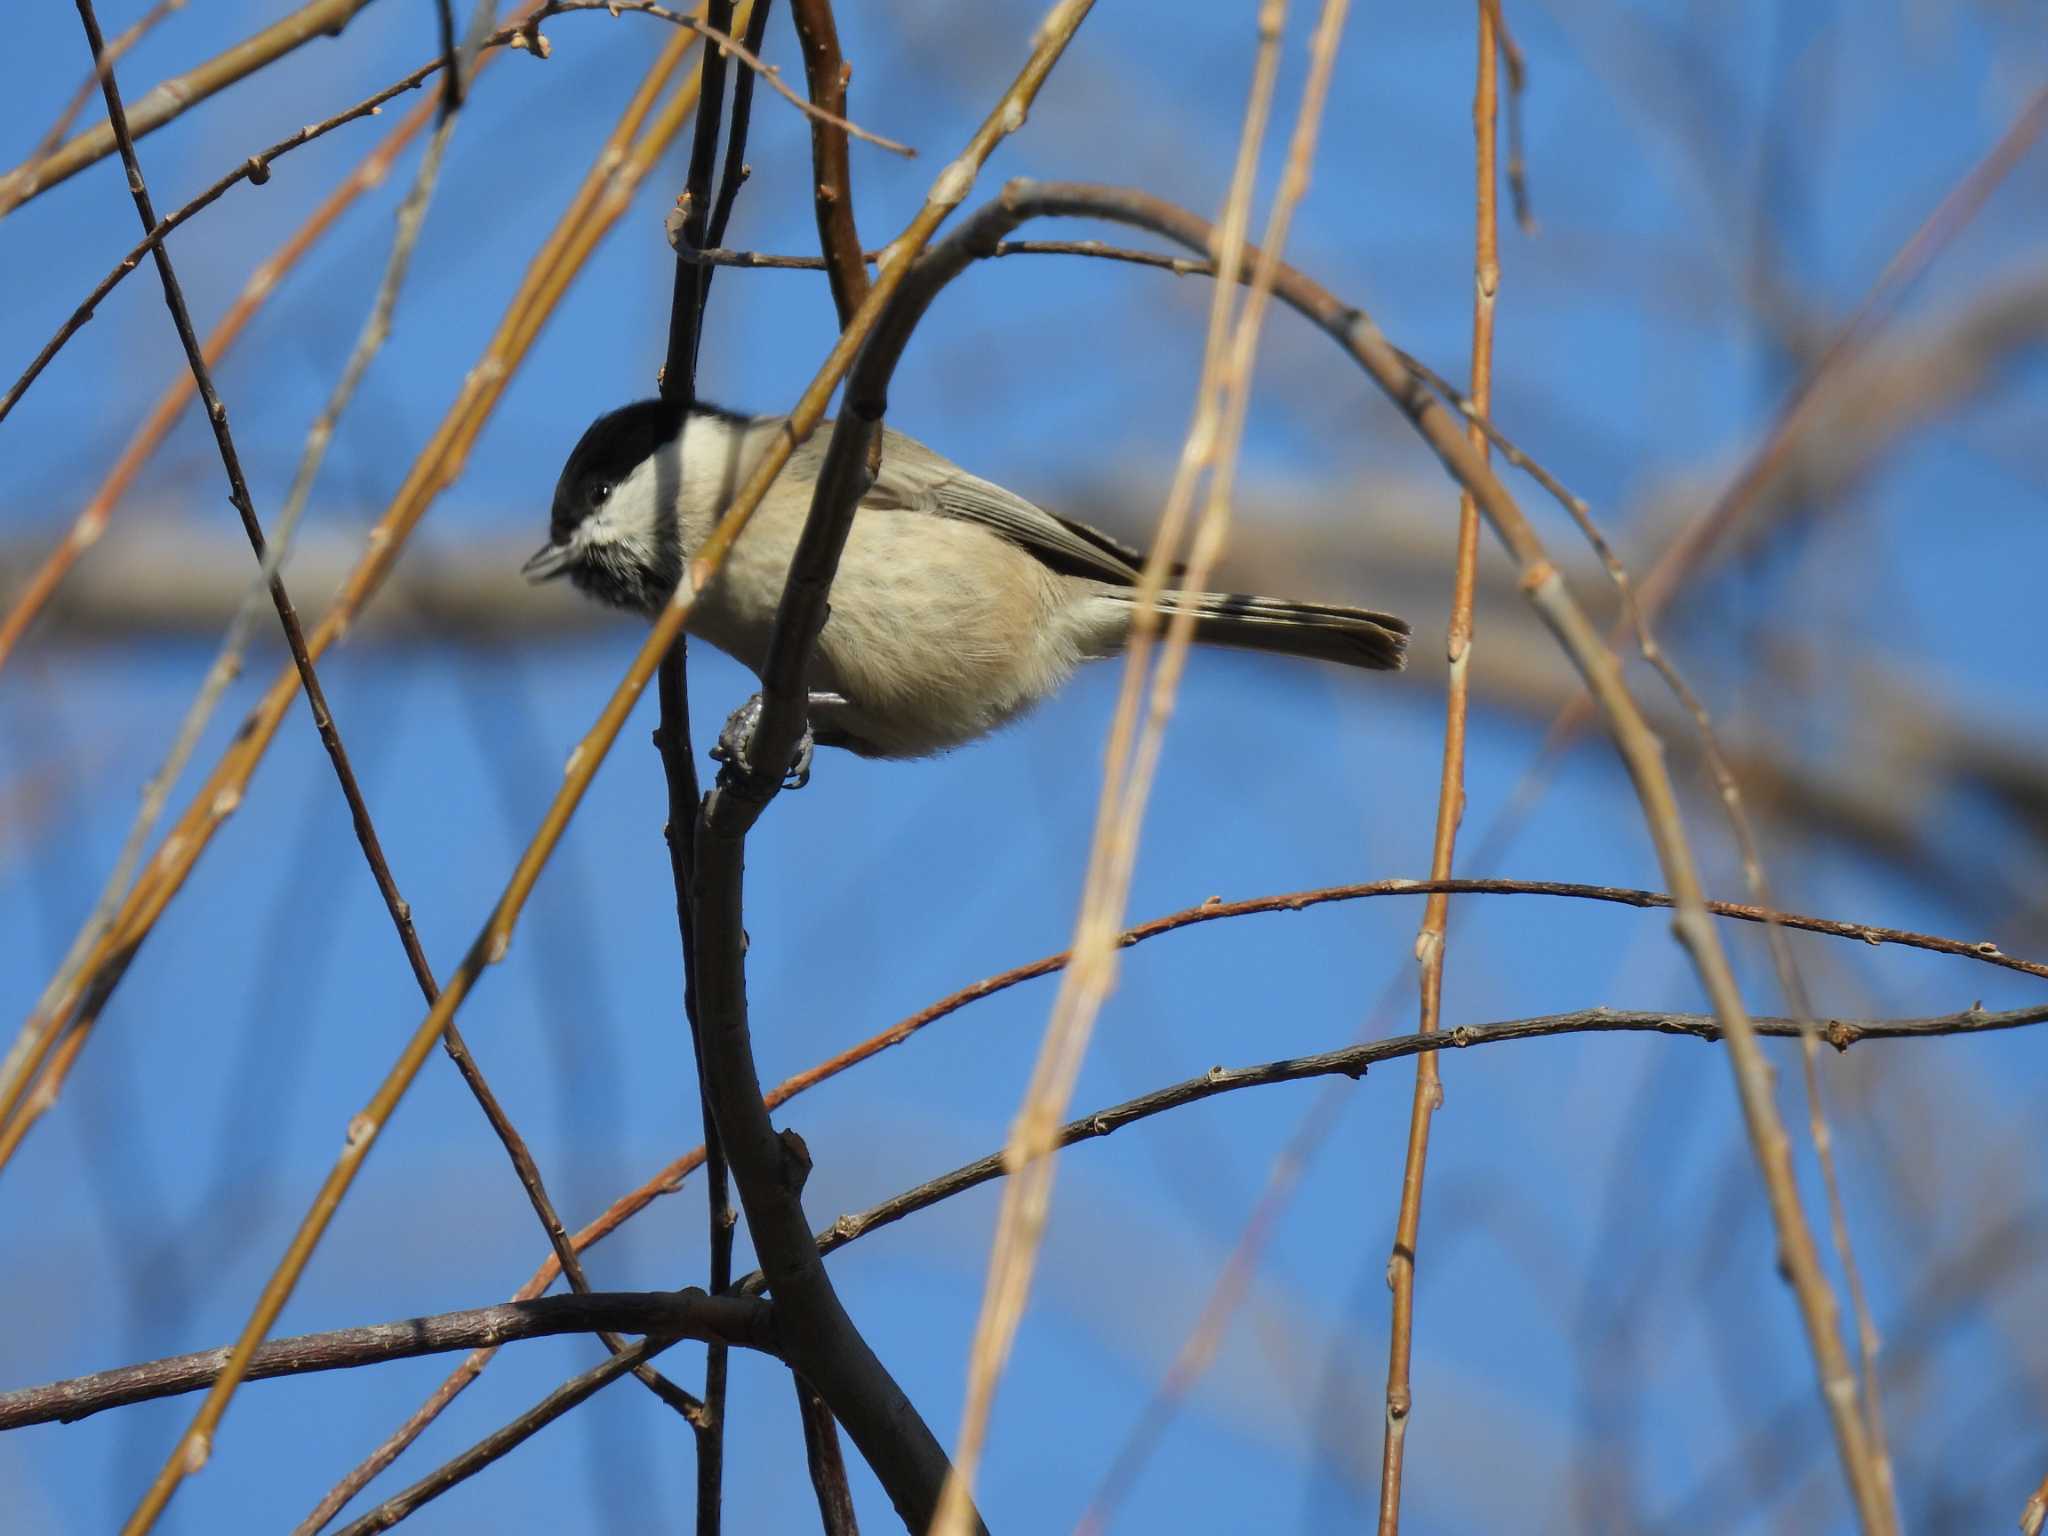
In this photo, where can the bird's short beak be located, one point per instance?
(550, 561)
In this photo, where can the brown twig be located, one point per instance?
(1450, 803)
(1210, 450)
(618, 179)
(1642, 755)
(827, 73)
(672, 733)
(171, 97)
(822, 1456)
(16, 186)
(256, 169)
(263, 282)
(330, 734)
(686, 1314)
(1518, 80)
(1354, 1061)
(711, 31)
(375, 330)
(670, 1178)
(570, 1394)
(603, 196)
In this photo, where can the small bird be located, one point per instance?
(958, 605)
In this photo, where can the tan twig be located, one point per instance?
(596, 206)
(618, 175)
(17, 184)
(729, 44)
(169, 98)
(670, 1178)
(1133, 749)
(2035, 1515)
(1642, 755)
(91, 522)
(494, 940)
(1450, 803)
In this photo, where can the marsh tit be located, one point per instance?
(958, 605)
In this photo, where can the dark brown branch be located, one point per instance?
(688, 1314)
(1354, 1061)
(827, 1465)
(688, 222)
(496, 1445)
(828, 73)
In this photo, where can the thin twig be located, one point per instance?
(492, 1447)
(16, 186)
(256, 169)
(1354, 1061)
(1518, 81)
(618, 179)
(1128, 755)
(690, 219)
(727, 43)
(1450, 804)
(672, 733)
(827, 73)
(270, 557)
(670, 1178)
(91, 521)
(168, 98)
(827, 1465)
(599, 201)
(1642, 754)
(227, 665)
(685, 1314)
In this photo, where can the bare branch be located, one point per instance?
(171, 97)
(1354, 1061)
(686, 1314)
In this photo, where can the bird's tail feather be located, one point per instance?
(1353, 637)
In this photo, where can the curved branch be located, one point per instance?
(744, 1321)
(1355, 1061)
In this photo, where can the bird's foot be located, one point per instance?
(735, 743)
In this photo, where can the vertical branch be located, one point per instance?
(691, 215)
(1450, 804)
(672, 733)
(828, 1466)
(827, 73)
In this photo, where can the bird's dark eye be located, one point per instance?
(599, 493)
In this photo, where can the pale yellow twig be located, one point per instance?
(1132, 759)
(1450, 804)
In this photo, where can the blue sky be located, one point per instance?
(1600, 1327)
